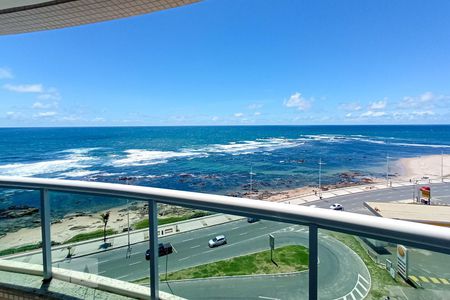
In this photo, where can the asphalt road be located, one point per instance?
(440, 193)
(338, 269)
(338, 266)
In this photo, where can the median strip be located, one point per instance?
(286, 259)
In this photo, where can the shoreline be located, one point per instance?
(72, 224)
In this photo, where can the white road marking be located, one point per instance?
(187, 240)
(102, 272)
(181, 259)
(356, 289)
(234, 228)
(122, 276)
(195, 246)
(269, 298)
(244, 233)
(263, 227)
(363, 279)
(138, 262)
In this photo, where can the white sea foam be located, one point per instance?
(249, 147)
(79, 173)
(372, 140)
(139, 157)
(75, 160)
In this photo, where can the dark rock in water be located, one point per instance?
(19, 211)
(125, 178)
(77, 214)
(186, 175)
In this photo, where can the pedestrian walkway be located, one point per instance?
(62, 252)
(355, 189)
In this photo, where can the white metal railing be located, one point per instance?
(414, 234)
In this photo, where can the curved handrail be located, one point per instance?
(424, 236)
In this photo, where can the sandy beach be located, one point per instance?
(424, 167)
(71, 225)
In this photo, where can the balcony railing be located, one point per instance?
(401, 232)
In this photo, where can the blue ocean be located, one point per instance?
(206, 159)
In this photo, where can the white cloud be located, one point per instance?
(257, 113)
(5, 73)
(351, 106)
(13, 115)
(215, 118)
(423, 113)
(99, 120)
(426, 97)
(349, 115)
(255, 106)
(50, 94)
(40, 105)
(296, 100)
(378, 104)
(46, 114)
(24, 88)
(238, 115)
(372, 113)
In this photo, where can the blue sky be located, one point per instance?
(225, 62)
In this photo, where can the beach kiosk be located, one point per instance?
(425, 195)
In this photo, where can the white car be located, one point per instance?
(217, 241)
(336, 206)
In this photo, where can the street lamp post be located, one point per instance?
(387, 169)
(251, 181)
(128, 222)
(442, 166)
(320, 177)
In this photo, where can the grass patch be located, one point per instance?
(381, 280)
(20, 249)
(89, 235)
(24, 248)
(161, 221)
(289, 259)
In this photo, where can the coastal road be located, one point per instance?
(440, 194)
(340, 269)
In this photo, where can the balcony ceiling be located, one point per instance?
(20, 16)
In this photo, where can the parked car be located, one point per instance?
(252, 220)
(336, 206)
(163, 249)
(217, 241)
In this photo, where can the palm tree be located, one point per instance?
(105, 219)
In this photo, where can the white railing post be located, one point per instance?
(46, 238)
(313, 266)
(153, 245)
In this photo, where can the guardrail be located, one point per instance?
(414, 234)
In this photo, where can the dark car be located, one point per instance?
(252, 220)
(163, 249)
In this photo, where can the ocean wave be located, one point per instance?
(249, 147)
(79, 173)
(139, 157)
(420, 145)
(76, 160)
(372, 140)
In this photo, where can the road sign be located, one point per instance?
(402, 261)
(272, 242)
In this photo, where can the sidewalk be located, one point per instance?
(79, 249)
(354, 189)
(59, 253)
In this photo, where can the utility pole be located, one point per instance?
(387, 169)
(128, 223)
(442, 166)
(251, 181)
(320, 177)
